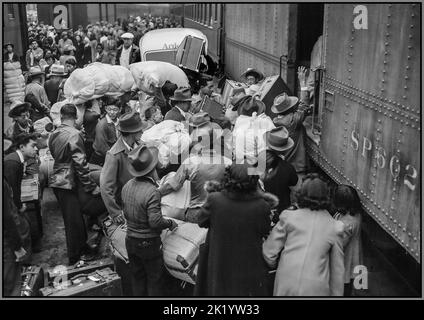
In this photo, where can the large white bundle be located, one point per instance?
(85, 84)
(11, 66)
(121, 80)
(153, 74)
(170, 137)
(248, 134)
(14, 81)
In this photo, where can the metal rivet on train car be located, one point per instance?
(408, 57)
(407, 68)
(415, 239)
(405, 87)
(409, 234)
(388, 25)
(411, 26)
(406, 77)
(404, 229)
(400, 226)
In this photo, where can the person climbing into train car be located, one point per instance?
(252, 78)
(348, 205)
(280, 176)
(237, 215)
(306, 246)
(291, 113)
(141, 204)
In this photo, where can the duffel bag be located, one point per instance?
(175, 204)
(7, 66)
(181, 250)
(116, 235)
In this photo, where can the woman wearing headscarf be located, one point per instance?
(306, 246)
(238, 218)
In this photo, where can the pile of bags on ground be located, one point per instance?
(14, 81)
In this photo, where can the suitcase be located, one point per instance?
(101, 283)
(181, 250)
(64, 273)
(214, 109)
(30, 190)
(189, 53)
(227, 93)
(33, 279)
(116, 235)
(269, 89)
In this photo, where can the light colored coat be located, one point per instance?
(351, 243)
(311, 260)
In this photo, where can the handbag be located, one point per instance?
(116, 234)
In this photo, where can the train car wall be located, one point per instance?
(258, 35)
(370, 113)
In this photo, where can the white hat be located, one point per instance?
(127, 35)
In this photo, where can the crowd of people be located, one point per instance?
(257, 220)
(101, 42)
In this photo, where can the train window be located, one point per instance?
(11, 11)
(329, 100)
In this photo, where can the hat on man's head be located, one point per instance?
(181, 94)
(253, 72)
(34, 71)
(17, 107)
(131, 122)
(283, 103)
(278, 139)
(250, 105)
(127, 35)
(57, 70)
(199, 119)
(9, 44)
(142, 160)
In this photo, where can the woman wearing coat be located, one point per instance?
(306, 246)
(238, 218)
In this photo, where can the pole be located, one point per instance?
(23, 28)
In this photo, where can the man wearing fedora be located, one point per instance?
(142, 209)
(181, 103)
(20, 113)
(55, 78)
(279, 176)
(205, 163)
(115, 174)
(291, 115)
(70, 176)
(128, 53)
(35, 87)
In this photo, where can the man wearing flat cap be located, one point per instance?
(128, 53)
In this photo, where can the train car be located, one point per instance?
(368, 119)
(366, 128)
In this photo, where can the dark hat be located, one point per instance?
(253, 72)
(131, 122)
(248, 105)
(17, 107)
(182, 94)
(314, 188)
(199, 119)
(142, 160)
(9, 44)
(283, 102)
(237, 101)
(278, 139)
